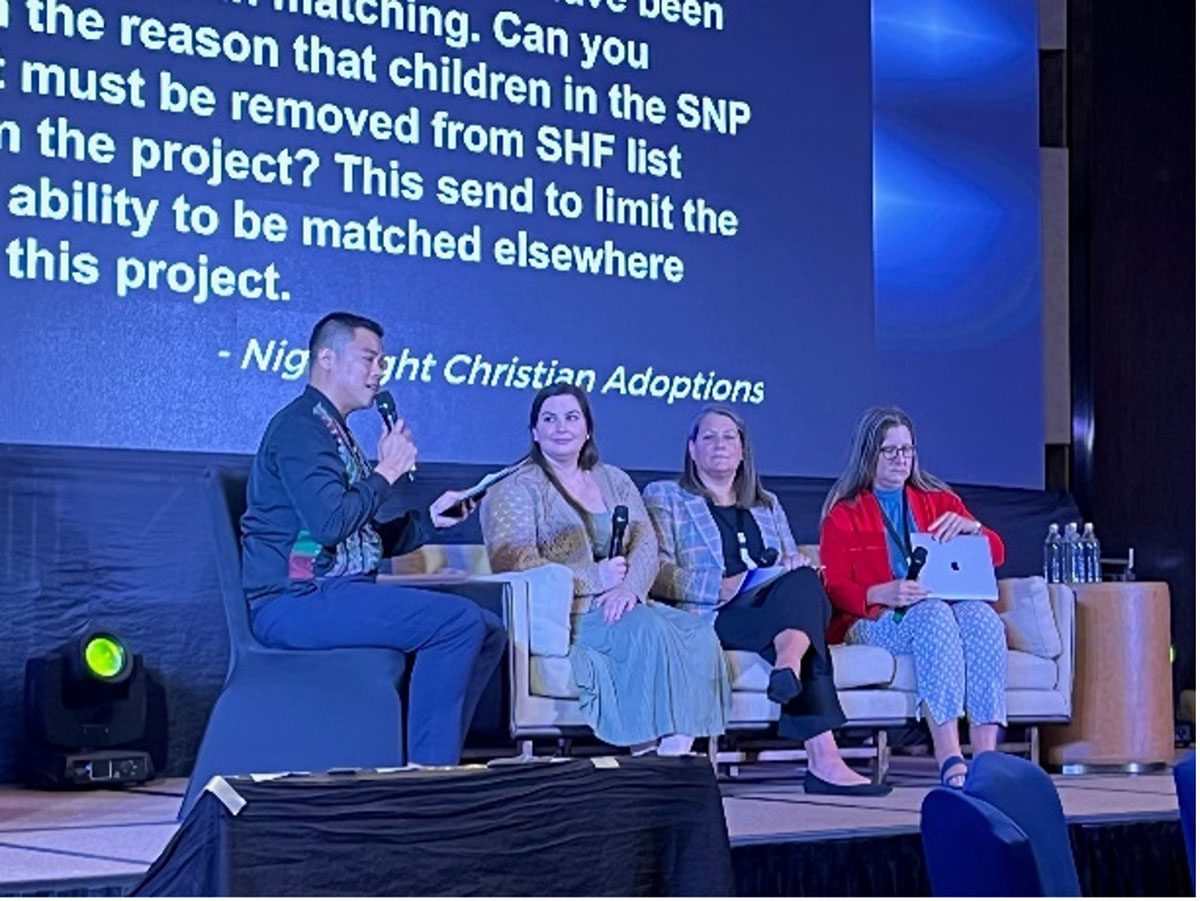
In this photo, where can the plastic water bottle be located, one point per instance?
(1091, 553)
(1052, 555)
(1072, 554)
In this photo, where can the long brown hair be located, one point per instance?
(589, 454)
(748, 490)
(859, 474)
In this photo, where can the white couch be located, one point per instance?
(877, 690)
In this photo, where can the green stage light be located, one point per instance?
(105, 657)
(86, 708)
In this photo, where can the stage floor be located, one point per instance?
(775, 809)
(101, 842)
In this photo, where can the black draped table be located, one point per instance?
(610, 826)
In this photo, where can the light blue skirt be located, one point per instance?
(656, 671)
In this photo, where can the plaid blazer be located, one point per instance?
(691, 559)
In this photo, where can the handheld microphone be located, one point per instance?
(620, 521)
(915, 563)
(386, 405)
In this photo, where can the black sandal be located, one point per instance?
(949, 763)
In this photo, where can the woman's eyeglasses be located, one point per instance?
(891, 452)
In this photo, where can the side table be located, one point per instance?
(1122, 718)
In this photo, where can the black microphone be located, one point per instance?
(386, 405)
(620, 522)
(915, 563)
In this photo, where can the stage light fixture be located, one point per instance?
(85, 705)
(106, 658)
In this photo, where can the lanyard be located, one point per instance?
(903, 544)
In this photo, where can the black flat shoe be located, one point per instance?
(783, 686)
(815, 785)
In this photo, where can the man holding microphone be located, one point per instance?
(312, 545)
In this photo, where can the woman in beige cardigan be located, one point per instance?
(647, 674)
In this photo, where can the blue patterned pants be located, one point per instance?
(959, 652)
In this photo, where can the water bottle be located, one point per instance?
(1072, 554)
(1052, 555)
(1091, 553)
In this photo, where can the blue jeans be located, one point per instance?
(456, 643)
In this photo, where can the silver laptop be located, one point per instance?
(959, 570)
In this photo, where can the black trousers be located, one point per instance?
(796, 600)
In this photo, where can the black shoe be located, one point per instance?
(783, 686)
(815, 785)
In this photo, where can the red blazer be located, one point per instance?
(854, 552)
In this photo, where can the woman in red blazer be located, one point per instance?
(958, 648)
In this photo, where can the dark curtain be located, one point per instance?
(1143, 859)
(572, 829)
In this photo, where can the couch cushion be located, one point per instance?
(747, 671)
(751, 708)
(1030, 671)
(1027, 705)
(876, 705)
(866, 706)
(550, 677)
(861, 665)
(1029, 626)
(1025, 671)
(853, 667)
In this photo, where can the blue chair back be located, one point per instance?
(225, 494)
(1185, 789)
(289, 710)
(1024, 793)
(974, 850)
(1003, 833)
